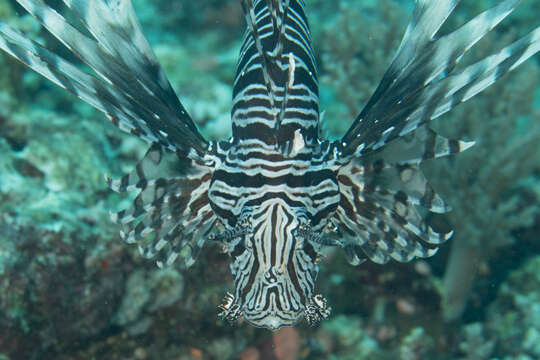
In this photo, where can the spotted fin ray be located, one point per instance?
(170, 218)
(385, 198)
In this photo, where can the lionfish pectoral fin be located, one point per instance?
(421, 83)
(170, 217)
(129, 85)
(385, 200)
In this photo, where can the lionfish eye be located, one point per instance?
(238, 250)
(309, 250)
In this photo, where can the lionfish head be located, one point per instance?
(274, 267)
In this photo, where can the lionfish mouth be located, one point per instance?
(274, 320)
(273, 317)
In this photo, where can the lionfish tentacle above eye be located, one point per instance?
(275, 194)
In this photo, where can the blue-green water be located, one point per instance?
(71, 289)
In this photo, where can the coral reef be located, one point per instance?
(349, 339)
(512, 327)
(353, 58)
(70, 289)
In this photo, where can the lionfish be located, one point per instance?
(275, 194)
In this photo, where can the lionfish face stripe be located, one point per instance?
(272, 298)
(273, 264)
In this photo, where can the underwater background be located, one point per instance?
(71, 289)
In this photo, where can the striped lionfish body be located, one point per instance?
(275, 194)
(274, 177)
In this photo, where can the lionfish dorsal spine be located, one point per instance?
(275, 89)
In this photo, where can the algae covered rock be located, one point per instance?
(514, 318)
